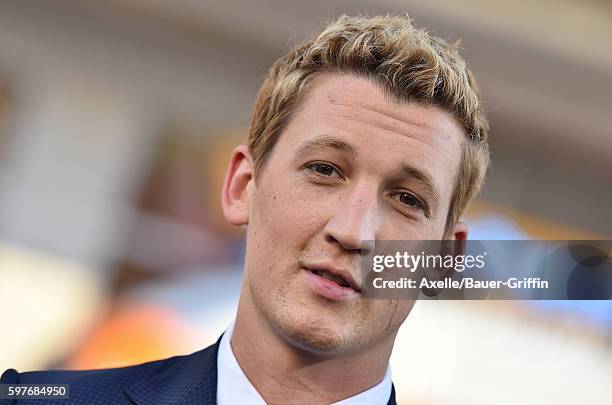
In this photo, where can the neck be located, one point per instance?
(281, 372)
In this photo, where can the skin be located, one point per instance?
(316, 200)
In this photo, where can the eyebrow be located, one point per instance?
(323, 143)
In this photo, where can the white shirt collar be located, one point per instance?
(233, 386)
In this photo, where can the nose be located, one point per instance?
(354, 222)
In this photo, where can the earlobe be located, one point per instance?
(235, 193)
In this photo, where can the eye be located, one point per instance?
(323, 168)
(410, 200)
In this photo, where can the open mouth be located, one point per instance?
(339, 280)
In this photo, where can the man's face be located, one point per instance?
(352, 166)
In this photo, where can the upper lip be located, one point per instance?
(346, 275)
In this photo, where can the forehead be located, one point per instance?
(382, 132)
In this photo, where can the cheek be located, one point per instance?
(285, 214)
(397, 227)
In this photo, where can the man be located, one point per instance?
(372, 131)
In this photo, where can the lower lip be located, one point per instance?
(329, 289)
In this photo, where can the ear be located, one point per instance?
(237, 186)
(459, 232)
(455, 245)
(459, 235)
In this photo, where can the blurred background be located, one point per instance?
(117, 119)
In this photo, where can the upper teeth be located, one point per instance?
(332, 277)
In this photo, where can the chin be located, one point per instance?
(309, 324)
(317, 336)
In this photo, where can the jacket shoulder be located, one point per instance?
(78, 376)
(101, 386)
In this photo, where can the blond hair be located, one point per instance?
(406, 62)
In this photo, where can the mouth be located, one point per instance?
(341, 281)
(333, 284)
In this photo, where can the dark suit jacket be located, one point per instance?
(190, 380)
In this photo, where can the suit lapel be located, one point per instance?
(190, 380)
(392, 397)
